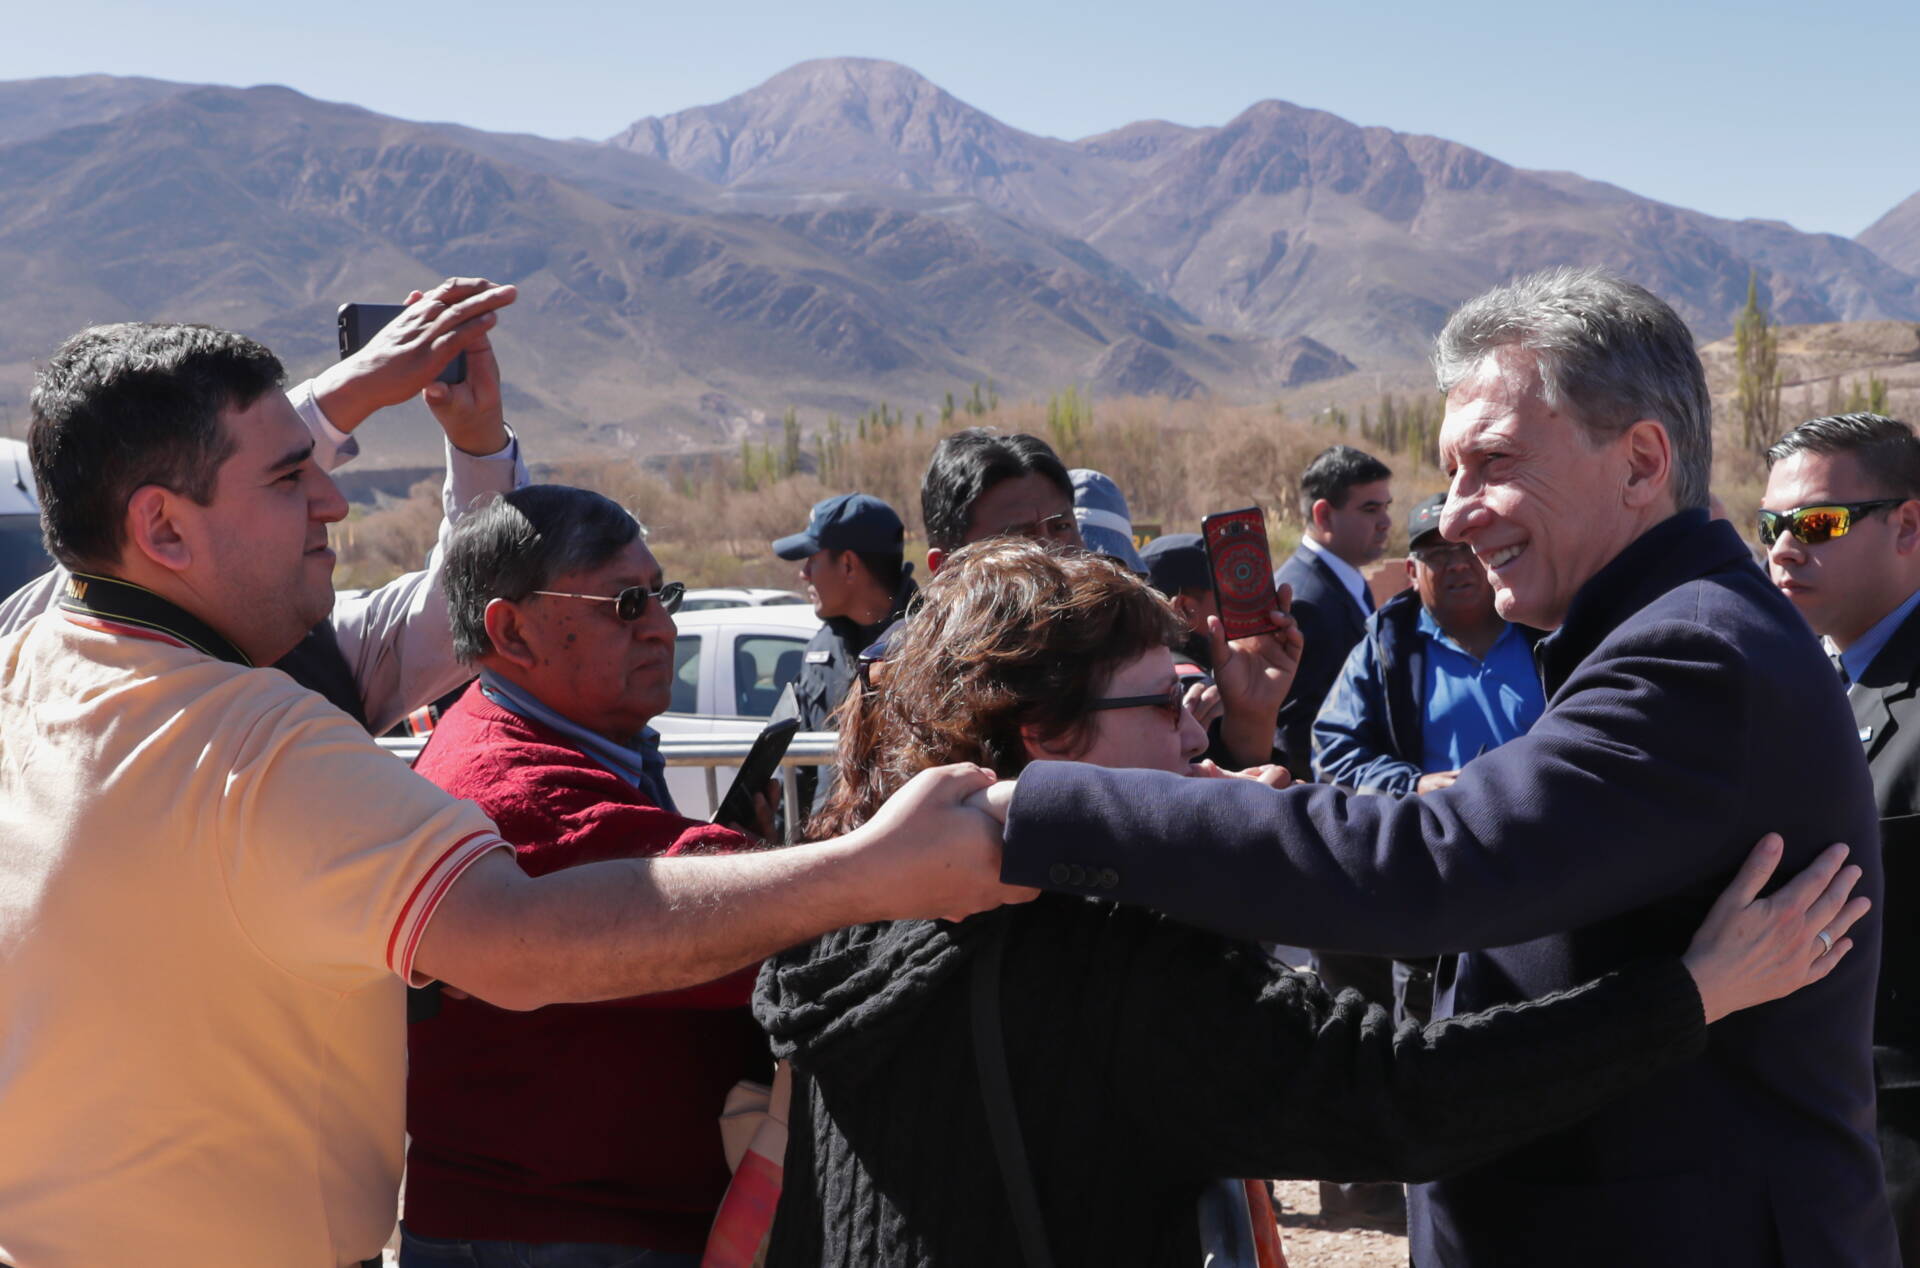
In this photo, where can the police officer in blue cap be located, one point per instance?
(852, 557)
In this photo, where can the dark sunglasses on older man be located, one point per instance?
(1816, 524)
(1169, 702)
(631, 604)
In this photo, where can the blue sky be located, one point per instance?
(1760, 108)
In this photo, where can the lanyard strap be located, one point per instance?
(123, 603)
(996, 1091)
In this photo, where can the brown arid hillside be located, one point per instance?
(845, 235)
(1825, 369)
(640, 327)
(1283, 221)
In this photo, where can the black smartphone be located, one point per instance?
(762, 760)
(359, 323)
(1242, 570)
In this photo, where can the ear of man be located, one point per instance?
(1648, 450)
(935, 557)
(155, 534)
(507, 631)
(1906, 530)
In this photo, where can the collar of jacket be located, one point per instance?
(857, 637)
(1679, 549)
(1893, 670)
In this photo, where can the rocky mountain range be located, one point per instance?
(843, 234)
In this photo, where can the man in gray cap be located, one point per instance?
(852, 558)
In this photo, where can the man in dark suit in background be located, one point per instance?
(1689, 712)
(1345, 500)
(1842, 525)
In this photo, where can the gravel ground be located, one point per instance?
(1314, 1242)
(1311, 1242)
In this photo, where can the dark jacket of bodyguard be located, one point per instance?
(1331, 622)
(1617, 819)
(1886, 714)
(1886, 711)
(1344, 496)
(1841, 523)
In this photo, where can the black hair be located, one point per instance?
(1333, 473)
(1886, 449)
(123, 406)
(887, 570)
(520, 542)
(968, 463)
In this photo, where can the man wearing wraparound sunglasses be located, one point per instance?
(1841, 524)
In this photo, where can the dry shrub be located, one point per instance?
(1177, 461)
(376, 546)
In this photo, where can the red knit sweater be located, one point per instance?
(576, 1122)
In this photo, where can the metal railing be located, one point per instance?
(809, 748)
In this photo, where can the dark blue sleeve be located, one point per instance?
(1352, 744)
(1621, 794)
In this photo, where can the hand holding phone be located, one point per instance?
(762, 760)
(359, 323)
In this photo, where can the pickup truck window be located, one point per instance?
(686, 674)
(763, 665)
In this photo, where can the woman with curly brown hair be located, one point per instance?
(1148, 1058)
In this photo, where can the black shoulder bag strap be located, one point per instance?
(996, 1091)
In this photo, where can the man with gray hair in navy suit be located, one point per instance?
(1690, 710)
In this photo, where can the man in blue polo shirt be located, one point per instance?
(1438, 680)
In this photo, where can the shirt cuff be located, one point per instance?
(404, 941)
(332, 448)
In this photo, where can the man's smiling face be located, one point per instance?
(1538, 501)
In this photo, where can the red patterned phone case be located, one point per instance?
(1242, 570)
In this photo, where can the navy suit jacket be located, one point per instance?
(1331, 623)
(1689, 711)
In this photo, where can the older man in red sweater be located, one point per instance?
(581, 1135)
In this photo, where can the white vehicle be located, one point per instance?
(706, 600)
(22, 554)
(729, 667)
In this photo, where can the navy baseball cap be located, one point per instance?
(852, 521)
(1424, 518)
(1106, 526)
(1178, 562)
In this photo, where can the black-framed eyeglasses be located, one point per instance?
(1816, 524)
(631, 604)
(1170, 702)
